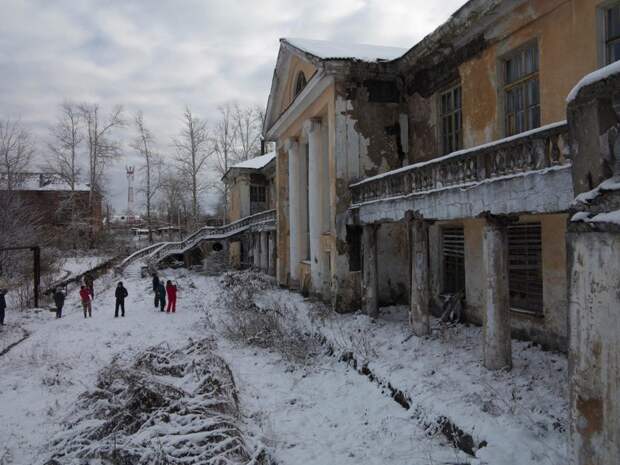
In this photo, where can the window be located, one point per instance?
(453, 245)
(525, 267)
(450, 119)
(257, 194)
(612, 34)
(521, 91)
(300, 83)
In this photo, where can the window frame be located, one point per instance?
(526, 268)
(520, 83)
(255, 193)
(300, 83)
(453, 264)
(455, 136)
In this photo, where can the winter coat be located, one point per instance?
(171, 289)
(162, 292)
(2, 300)
(155, 283)
(121, 293)
(85, 294)
(59, 299)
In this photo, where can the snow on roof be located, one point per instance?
(42, 182)
(593, 77)
(326, 50)
(256, 163)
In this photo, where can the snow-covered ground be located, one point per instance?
(319, 412)
(75, 266)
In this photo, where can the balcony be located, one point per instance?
(529, 172)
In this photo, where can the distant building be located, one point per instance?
(51, 200)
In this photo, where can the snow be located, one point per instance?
(595, 76)
(45, 182)
(326, 50)
(459, 153)
(257, 163)
(611, 184)
(319, 412)
(612, 217)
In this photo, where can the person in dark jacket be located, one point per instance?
(156, 289)
(162, 296)
(171, 290)
(2, 305)
(59, 300)
(120, 294)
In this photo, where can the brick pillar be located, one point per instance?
(370, 288)
(419, 316)
(497, 346)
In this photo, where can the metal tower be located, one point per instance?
(130, 198)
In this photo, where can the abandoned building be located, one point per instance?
(408, 176)
(251, 190)
(55, 204)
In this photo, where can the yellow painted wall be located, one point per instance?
(296, 66)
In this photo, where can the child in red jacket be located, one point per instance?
(85, 295)
(171, 290)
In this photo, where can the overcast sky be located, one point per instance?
(159, 55)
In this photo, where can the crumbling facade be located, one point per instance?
(450, 171)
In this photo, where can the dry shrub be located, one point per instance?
(271, 325)
(167, 407)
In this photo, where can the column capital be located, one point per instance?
(312, 124)
(291, 144)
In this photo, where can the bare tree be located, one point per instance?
(248, 124)
(174, 205)
(102, 149)
(67, 136)
(16, 149)
(193, 151)
(66, 139)
(224, 145)
(143, 144)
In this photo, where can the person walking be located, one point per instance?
(85, 296)
(59, 300)
(120, 294)
(89, 282)
(162, 296)
(156, 289)
(2, 305)
(171, 290)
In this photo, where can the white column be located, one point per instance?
(496, 330)
(264, 252)
(255, 251)
(370, 285)
(292, 147)
(419, 316)
(271, 269)
(315, 163)
(244, 196)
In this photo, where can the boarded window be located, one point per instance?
(521, 91)
(450, 119)
(354, 243)
(300, 83)
(612, 34)
(453, 245)
(525, 267)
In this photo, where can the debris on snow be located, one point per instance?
(167, 407)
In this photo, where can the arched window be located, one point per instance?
(300, 83)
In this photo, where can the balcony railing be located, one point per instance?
(534, 150)
(156, 252)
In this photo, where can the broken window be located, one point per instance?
(300, 83)
(453, 245)
(450, 119)
(525, 267)
(612, 34)
(521, 91)
(354, 243)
